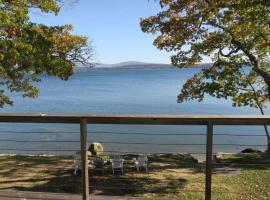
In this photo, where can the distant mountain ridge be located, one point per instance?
(135, 64)
(130, 64)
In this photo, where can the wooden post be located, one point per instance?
(84, 159)
(208, 167)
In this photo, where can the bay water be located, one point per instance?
(123, 91)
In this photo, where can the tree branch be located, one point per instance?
(259, 105)
(230, 53)
(254, 62)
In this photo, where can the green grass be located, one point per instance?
(172, 176)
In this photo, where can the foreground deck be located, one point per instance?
(19, 195)
(202, 185)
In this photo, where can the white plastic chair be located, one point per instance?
(77, 161)
(141, 161)
(117, 165)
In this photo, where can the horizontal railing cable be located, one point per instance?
(132, 143)
(176, 144)
(106, 153)
(33, 141)
(135, 133)
(56, 150)
(39, 132)
(175, 134)
(141, 152)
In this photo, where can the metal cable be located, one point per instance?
(136, 133)
(75, 150)
(128, 143)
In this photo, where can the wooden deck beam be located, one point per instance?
(257, 120)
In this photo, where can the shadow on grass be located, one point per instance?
(133, 187)
(12, 165)
(134, 183)
(38, 173)
(246, 161)
(55, 174)
(61, 183)
(51, 174)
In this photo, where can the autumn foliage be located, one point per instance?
(29, 49)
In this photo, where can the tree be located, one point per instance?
(241, 85)
(28, 49)
(234, 33)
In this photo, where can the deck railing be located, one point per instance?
(206, 120)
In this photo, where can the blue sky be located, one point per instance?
(113, 27)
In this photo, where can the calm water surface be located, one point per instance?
(122, 91)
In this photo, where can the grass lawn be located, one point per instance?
(172, 176)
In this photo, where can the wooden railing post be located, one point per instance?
(84, 159)
(209, 158)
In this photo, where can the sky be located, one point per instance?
(112, 27)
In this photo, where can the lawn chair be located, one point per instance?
(77, 161)
(117, 164)
(141, 161)
(99, 165)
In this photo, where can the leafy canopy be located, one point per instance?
(234, 33)
(28, 49)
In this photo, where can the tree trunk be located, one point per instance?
(262, 112)
(264, 74)
(268, 147)
(268, 92)
(268, 139)
(266, 132)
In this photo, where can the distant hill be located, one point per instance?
(131, 64)
(135, 64)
